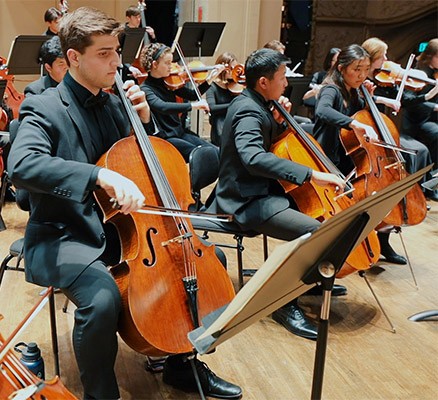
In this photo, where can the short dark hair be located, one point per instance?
(77, 28)
(263, 62)
(52, 14)
(132, 11)
(50, 51)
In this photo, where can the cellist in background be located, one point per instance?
(421, 120)
(63, 132)
(248, 185)
(377, 49)
(52, 18)
(338, 100)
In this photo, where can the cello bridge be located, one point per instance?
(178, 239)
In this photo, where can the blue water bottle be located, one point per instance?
(31, 358)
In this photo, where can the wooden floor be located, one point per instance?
(365, 360)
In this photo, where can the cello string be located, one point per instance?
(160, 179)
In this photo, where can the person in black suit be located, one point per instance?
(248, 185)
(52, 17)
(52, 58)
(62, 134)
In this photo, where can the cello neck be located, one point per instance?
(142, 7)
(385, 134)
(151, 159)
(322, 158)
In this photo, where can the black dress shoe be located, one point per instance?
(294, 320)
(180, 376)
(395, 259)
(338, 290)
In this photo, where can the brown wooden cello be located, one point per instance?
(319, 202)
(16, 381)
(168, 279)
(380, 163)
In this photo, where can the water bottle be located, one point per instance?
(31, 358)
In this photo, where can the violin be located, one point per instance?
(319, 202)
(18, 382)
(167, 278)
(179, 77)
(380, 163)
(237, 83)
(391, 74)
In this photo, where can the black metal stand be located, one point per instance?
(199, 39)
(131, 46)
(24, 55)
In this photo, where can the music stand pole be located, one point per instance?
(199, 39)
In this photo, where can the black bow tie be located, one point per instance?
(96, 101)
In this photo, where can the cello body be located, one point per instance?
(378, 167)
(156, 315)
(319, 202)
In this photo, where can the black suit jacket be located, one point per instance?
(40, 85)
(50, 157)
(247, 185)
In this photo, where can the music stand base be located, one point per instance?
(424, 316)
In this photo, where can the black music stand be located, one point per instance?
(199, 39)
(24, 55)
(431, 184)
(132, 44)
(295, 267)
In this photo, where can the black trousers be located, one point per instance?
(98, 303)
(187, 142)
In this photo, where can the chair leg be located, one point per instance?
(3, 186)
(4, 266)
(265, 247)
(53, 331)
(363, 275)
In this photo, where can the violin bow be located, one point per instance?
(404, 79)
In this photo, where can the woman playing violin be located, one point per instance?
(338, 100)
(377, 49)
(156, 58)
(219, 96)
(421, 120)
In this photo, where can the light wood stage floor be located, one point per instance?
(365, 360)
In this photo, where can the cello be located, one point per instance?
(167, 278)
(319, 202)
(18, 382)
(380, 163)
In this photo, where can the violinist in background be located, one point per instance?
(377, 49)
(421, 120)
(219, 96)
(309, 98)
(156, 59)
(248, 185)
(52, 17)
(338, 100)
(278, 46)
(53, 60)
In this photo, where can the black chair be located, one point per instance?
(201, 177)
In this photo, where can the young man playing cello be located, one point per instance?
(248, 185)
(63, 132)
